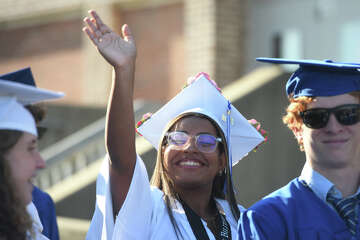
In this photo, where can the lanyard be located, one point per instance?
(222, 230)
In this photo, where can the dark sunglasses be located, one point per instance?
(348, 114)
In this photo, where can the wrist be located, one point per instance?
(127, 67)
(123, 76)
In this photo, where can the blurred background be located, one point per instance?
(175, 39)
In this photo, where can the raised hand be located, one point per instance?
(118, 51)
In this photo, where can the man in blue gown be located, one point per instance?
(323, 202)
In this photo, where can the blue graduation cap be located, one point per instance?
(23, 76)
(320, 78)
(21, 84)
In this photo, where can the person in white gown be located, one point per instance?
(191, 194)
(19, 156)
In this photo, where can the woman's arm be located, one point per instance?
(120, 52)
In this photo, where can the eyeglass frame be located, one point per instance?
(330, 111)
(189, 137)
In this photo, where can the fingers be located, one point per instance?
(127, 35)
(91, 35)
(92, 31)
(99, 23)
(96, 29)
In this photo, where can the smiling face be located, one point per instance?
(24, 160)
(335, 145)
(189, 167)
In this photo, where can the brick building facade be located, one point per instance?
(175, 39)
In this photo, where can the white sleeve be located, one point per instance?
(102, 223)
(135, 210)
(134, 218)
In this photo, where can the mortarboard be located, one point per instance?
(320, 78)
(21, 84)
(202, 96)
(16, 90)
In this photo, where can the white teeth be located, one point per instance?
(189, 163)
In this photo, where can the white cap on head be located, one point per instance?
(202, 96)
(15, 94)
(14, 116)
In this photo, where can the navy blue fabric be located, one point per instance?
(46, 209)
(293, 212)
(347, 209)
(320, 78)
(23, 76)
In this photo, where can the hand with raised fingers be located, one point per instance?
(119, 51)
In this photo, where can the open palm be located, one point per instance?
(117, 50)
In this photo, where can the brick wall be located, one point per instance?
(160, 42)
(174, 40)
(214, 38)
(200, 26)
(230, 36)
(52, 50)
(63, 59)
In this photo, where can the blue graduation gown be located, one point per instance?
(293, 212)
(46, 210)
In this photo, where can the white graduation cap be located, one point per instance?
(202, 96)
(14, 94)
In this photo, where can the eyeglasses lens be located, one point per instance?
(204, 142)
(318, 117)
(178, 138)
(347, 115)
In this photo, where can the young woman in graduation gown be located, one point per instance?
(185, 199)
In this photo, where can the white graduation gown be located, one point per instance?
(143, 214)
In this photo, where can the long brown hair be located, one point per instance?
(15, 221)
(161, 180)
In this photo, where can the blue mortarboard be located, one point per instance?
(23, 76)
(320, 78)
(21, 84)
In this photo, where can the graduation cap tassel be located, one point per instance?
(228, 122)
(228, 125)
